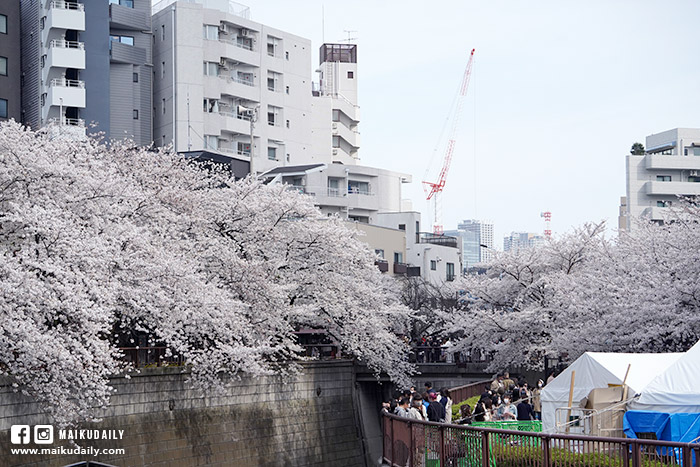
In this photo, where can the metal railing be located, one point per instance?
(79, 122)
(236, 79)
(68, 83)
(62, 5)
(409, 442)
(141, 357)
(237, 44)
(462, 393)
(63, 44)
(234, 115)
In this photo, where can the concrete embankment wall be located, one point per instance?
(306, 420)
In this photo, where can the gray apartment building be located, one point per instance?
(86, 65)
(9, 60)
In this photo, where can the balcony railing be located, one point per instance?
(237, 44)
(226, 113)
(79, 122)
(62, 5)
(400, 268)
(236, 79)
(61, 44)
(67, 83)
(382, 264)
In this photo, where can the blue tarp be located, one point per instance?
(679, 427)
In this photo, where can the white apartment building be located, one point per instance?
(335, 110)
(670, 168)
(352, 192)
(436, 258)
(52, 59)
(214, 68)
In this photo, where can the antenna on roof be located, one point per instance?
(349, 33)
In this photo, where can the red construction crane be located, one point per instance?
(433, 190)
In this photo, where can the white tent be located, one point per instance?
(677, 389)
(597, 370)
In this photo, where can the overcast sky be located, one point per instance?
(560, 90)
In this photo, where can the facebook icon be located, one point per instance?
(19, 434)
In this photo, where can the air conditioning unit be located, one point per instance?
(222, 28)
(244, 32)
(335, 152)
(222, 64)
(693, 173)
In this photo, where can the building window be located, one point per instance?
(128, 40)
(211, 141)
(336, 141)
(272, 154)
(162, 70)
(663, 204)
(336, 115)
(402, 227)
(398, 257)
(211, 32)
(3, 24)
(136, 78)
(287, 123)
(3, 108)
(286, 89)
(211, 69)
(211, 105)
(351, 75)
(126, 3)
(433, 265)
(663, 178)
(243, 149)
(274, 115)
(286, 55)
(694, 179)
(272, 46)
(3, 66)
(379, 253)
(136, 114)
(162, 32)
(164, 106)
(450, 268)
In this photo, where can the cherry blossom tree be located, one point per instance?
(103, 241)
(583, 292)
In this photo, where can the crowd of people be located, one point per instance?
(504, 399)
(430, 405)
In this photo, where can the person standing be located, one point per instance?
(436, 412)
(446, 402)
(536, 401)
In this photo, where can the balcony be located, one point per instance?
(124, 17)
(382, 265)
(125, 53)
(655, 213)
(66, 54)
(65, 15)
(351, 136)
(66, 93)
(658, 161)
(239, 52)
(400, 268)
(673, 188)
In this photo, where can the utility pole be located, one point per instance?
(253, 114)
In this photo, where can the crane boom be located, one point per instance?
(433, 189)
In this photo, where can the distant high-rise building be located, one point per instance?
(669, 168)
(477, 241)
(88, 63)
(522, 240)
(9, 60)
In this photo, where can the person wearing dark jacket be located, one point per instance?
(525, 412)
(436, 411)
